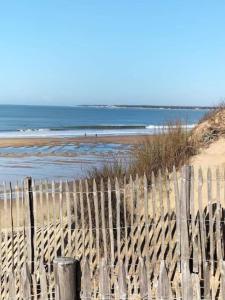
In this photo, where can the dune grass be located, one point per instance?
(170, 147)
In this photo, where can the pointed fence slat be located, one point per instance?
(222, 280)
(82, 215)
(177, 204)
(218, 217)
(168, 203)
(26, 282)
(86, 286)
(125, 222)
(154, 218)
(61, 218)
(69, 219)
(209, 184)
(97, 228)
(160, 187)
(143, 278)
(164, 289)
(111, 232)
(184, 236)
(103, 219)
(196, 287)
(89, 221)
(43, 283)
(187, 290)
(75, 201)
(122, 284)
(54, 208)
(104, 281)
(118, 228)
(12, 286)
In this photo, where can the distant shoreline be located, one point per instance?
(113, 105)
(148, 106)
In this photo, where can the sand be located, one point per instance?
(212, 156)
(26, 142)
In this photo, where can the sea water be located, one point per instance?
(46, 121)
(69, 161)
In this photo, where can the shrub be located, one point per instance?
(171, 147)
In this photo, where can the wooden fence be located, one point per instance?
(161, 238)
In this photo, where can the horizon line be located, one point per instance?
(118, 105)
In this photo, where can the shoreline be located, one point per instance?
(46, 141)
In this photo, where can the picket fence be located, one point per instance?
(137, 238)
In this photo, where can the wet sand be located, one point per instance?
(27, 142)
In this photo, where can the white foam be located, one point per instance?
(47, 133)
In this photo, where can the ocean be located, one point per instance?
(65, 161)
(46, 121)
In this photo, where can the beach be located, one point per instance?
(60, 158)
(46, 141)
(63, 143)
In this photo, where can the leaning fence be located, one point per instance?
(132, 238)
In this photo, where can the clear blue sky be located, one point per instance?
(116, 51)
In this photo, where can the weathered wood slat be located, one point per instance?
(54, 208)
(96, 221)
(75, 201)
(61, 206)
(103, 219)
(104, 281)
(86, 287)
(164, 288)
(82, 216)
(69, 219)
(48, 226)
(118, 228)
(160, 188)
(122, 282)
(91, 238)
(43, 283)
(111, 232)
(144, 280)
(202, 220)
(177, 203)
(125, 223)
(209, 184)
(26, 282)
(42, 220)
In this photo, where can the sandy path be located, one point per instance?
(212, 156)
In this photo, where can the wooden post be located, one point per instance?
(65, 280)
(30, 222)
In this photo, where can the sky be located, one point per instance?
(65, 52)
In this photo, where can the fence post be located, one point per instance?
(30, 222)
(65, 278)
